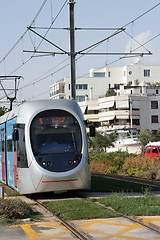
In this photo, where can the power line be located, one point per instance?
(77, 28)
(44, 2)
(141, 15)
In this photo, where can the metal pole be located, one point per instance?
(2, 192)
(72, 48)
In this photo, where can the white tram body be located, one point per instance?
(43, 147)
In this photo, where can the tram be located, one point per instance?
(43, 147)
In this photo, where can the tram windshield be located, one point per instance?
(55, 132)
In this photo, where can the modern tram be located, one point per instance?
(43, 147)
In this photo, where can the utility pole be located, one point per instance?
(72, 48)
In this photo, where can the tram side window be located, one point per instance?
(21, 150)
(9, 146)
(2, 146)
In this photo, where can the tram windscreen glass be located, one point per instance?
(55, 132)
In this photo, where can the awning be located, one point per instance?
(93, 107)
(107, 118)
(135, 117)
(122, 117)
(106, 104)
(122, 104)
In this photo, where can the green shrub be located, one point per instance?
(15, 209)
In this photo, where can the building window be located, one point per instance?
(156, 91)
(154, 118)
(80, 98)
(85, 86)
(99, 74)
(69, 86)
(117, 86)
(81, 86)
(136, 122)
(154, 104)
(147, 73)
(109, 74)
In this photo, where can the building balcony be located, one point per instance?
(91, 117)
(119, 114)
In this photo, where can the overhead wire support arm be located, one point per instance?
(103, 40)
(11, 99)
(47, 40)
(76, 28)
(43, 52)
(116, 53)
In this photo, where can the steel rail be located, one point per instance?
(80, 235)
(134, 219)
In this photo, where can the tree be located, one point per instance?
(103, 140)
(145, 137)
(110, 92)
(3, 110)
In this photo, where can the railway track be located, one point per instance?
(134, 219)
(82, 235)
(79, 234)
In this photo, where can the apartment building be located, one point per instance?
(100, 80)
(134, 107)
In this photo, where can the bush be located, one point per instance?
(111, 162)
(125, 163)
(12, 209)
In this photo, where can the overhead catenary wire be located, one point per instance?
(44, 2)
(25, 34)
(77, 28)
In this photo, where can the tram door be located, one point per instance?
(2, 154)
(11, 150)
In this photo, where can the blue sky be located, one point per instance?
(17, 15)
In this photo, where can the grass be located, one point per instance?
(11, 211)
(9, 191)
(148, 205)
(78, 209)
(102, 184)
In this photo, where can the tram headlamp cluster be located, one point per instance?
(74, 161)
(44, 163)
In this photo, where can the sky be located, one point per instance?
(40, 71)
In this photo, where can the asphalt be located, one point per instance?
(108, 228)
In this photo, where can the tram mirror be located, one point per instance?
(92, 131)
(15, 134)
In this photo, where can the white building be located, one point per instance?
(135, 107)
(86, 88)
(133, 73)
(100, 80)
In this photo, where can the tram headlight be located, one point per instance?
(77, 158)
(48, 164)
(44, 163)
(40, 159)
